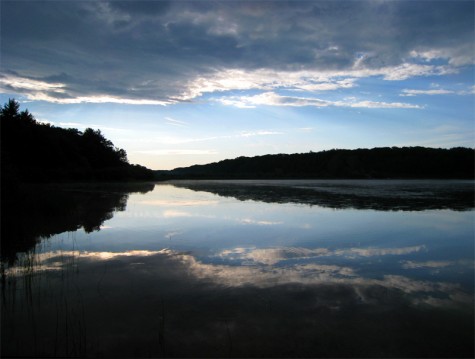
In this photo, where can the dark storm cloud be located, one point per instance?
(150, 8)
(155, 49)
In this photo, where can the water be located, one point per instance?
(240, 268)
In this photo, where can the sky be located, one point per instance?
(177, 83)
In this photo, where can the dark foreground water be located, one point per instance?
(240, 268)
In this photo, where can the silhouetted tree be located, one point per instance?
(10, 110)
(31, 151)
(385, 162)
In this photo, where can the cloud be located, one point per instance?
(371, 252)
(259, 223)
(55, 92)
(178, 203)
(45, 122)
(176, 214)
(408, 70)
(85, 125)
(408, 92)
(458, 56)
(16, 83)
(304, 80)
(173, 140)
(173, 122)
(163, 53)
(54, 260)
(271, 256)
(470, 91)
(268, 79)
(375, 104)
(269, 274)
(437, 91)
(274, 99)
(258, 133)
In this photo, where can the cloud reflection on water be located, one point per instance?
(177, 203)
(258, 268)
(271, 256)
(428, 264)
(344, 283)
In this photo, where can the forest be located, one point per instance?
(377, 163)
(35, 152)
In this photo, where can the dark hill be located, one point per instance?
(35, 152)
(380, 163)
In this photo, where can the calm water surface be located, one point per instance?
(241, 268)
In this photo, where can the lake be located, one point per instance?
(308, 268)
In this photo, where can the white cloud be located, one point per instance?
(45, 122)
(73, 124)
(274, 99)
(438, 91)
(326, 85)
(258, 133)
(458, 56)
(223, 80)
(267, 79)
(173, 122)
(86, 125)
(408, 70)
(271, 99)
(408, 92)
(96, 99)
(470, 91)
(23, 83)
(304, 80)
(375, 104)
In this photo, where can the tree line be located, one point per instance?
(377, 163)
(35, 152)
